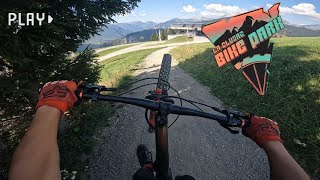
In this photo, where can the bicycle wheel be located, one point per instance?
(164, 72)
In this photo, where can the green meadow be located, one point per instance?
(292, 98)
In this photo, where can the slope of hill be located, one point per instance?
(109, 33)
(300, 31)
(176, 21)
(290, 30)
(119, 30)
(137, 26)
(140, 36)
(313, 27)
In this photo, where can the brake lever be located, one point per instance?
(235, 119)
(92, 88)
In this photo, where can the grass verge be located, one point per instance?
(292, 99)
(111, 50)
(179, 39)
(76, 146)
(122, 66)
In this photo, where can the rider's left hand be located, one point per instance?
(59, 94)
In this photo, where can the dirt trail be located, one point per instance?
(197, 146)
(147, 46)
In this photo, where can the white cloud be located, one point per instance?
(142, 14)
(269, 5)
(132, 14)
(136, 14)
(219, 10)
(188, 9)
(305, 9)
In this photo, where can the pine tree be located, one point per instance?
(164, 35)
(155, 37)
(29, 55)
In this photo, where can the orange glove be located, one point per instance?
(262, 130)
(59, 94)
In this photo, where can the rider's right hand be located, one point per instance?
(262, 130)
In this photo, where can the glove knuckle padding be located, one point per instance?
(58, 94)
(262, 130)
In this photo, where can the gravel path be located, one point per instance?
(197, 146)
(148, 45)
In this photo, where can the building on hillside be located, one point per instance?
(190, 29)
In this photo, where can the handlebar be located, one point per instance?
(229, 120)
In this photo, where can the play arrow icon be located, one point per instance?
(50, 19)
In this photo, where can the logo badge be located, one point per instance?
(243, 40)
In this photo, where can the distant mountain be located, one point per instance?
(290, 29)
(177, 21)
(167, 24)
(137, 26)
(145, 35)
(299, 31)
(313, 27)
(119, 31)
(140, 36)
(142, 31)
(109, 33)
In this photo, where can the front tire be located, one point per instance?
(164, 72)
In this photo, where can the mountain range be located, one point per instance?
(142, 31)
(119, 30)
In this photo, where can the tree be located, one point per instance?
(155, 37)
(164, 35)
(172, 31)
(33, 54)
(119, 41)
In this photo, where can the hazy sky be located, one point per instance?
(294, 11)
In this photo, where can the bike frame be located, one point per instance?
(160, 120)
(162, 152)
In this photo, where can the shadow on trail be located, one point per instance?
(292, 98)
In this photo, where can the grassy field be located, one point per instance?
(117, 69)
(76, 145)
(292, 99)
(111, 50)
(179, 39)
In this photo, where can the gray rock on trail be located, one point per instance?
(197, 147)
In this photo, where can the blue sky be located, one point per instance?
(294, 11)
